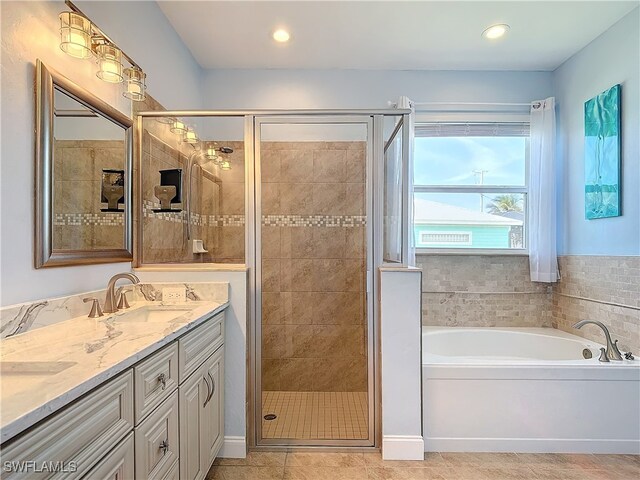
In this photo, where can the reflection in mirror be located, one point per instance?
(89, 163)
(83, 176)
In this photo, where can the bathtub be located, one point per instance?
(525, 390)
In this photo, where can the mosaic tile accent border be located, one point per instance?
(102, 218)
(226, 220)
(314, 220)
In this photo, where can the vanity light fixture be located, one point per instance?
(191, 136)
(211, 154)
(178, 127)
(81, 38)
(75, 35)
(135, 84)
(109, 63)
(495, 31)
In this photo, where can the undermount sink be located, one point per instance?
(160, 313)
(33, 369)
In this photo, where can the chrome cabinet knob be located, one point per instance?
(162, 380)
(164, 446)
(96, 311)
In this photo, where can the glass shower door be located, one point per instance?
(313, 254)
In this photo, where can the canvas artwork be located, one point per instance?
(602, 154)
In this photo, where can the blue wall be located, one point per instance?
(610, 59)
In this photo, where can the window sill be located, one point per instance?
(472, 251)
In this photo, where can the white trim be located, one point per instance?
(402, 447)
(535, 445)
(233, 447)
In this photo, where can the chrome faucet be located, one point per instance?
(110, 305)
(612, 351)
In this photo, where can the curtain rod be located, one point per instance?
(475, 104)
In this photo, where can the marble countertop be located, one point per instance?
(66, 360)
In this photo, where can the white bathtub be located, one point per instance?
(525, 390)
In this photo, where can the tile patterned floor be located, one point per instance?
(436, 466)
(315, 415)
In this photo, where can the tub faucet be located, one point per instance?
(110, 305)
(612, 347)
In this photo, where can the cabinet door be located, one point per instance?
(156, 441)
(214, 408)
(193, 393)
(117, 465)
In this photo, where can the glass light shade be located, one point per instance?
(178, 127)
(211, 154)
(190, 136)
(226, 165)
(135, 84)
(109, 63)
(75, 35)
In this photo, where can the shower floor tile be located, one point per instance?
(315, 415)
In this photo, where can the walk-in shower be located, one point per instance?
(302, 207)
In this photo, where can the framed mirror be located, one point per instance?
(83, 176)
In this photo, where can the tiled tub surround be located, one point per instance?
(313, 267)
(88, 352)
(77, 174)
(601, 288)
(482, 291)
(17, 319)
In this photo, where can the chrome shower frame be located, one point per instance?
(374, 119)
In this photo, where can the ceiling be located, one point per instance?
(395, 35)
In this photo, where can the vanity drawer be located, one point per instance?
(198, 345)
(156, 441)
(117, 465)
(80, 435)
(154, 379)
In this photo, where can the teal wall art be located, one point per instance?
(602, 155)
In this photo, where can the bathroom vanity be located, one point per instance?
(137, 394)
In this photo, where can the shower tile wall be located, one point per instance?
(482, 291)
(313, 267)
(217, 200)
(599, 288)
(78, 222)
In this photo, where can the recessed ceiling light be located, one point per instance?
(281, 35)
(496, 31)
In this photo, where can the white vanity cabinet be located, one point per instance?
(161, 419)
(117, 465)
(201, 404)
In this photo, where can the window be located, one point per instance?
(471, 186)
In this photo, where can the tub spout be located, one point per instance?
(612, 347)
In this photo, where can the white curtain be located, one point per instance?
(543, 261)
(404, 102)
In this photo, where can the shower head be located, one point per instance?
(225, 150)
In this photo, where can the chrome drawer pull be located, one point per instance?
(213, 385)
(208, 391)
(164, 446)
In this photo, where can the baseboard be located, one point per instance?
(402, 447)
(233, 447)
(531, 445)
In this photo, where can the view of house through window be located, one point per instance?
(471, 185)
